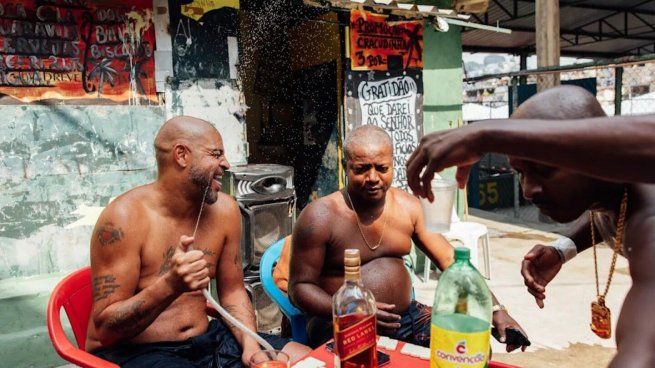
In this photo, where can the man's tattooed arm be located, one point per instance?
(103, 287)
(130, 319)
(108, 234)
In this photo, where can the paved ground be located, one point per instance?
(560, 332)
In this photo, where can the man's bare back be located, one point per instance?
(154, 234)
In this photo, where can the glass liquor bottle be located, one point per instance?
(353, 317)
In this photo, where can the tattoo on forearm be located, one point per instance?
(108, 234)
(166, 264)
(103, 287)
(128, 317)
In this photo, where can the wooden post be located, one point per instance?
(548, 42)
(618, 90)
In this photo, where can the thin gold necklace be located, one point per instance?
(359, 226)
(601, 317)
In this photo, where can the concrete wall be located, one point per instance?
(59, 162)
(59, 167)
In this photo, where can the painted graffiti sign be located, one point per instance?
(376, 44)
(392, 101)
(71, 49)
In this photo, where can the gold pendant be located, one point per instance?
(601, 319)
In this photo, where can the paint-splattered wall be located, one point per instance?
(60, 164)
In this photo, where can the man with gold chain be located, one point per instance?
(381, 222)
(595, 192)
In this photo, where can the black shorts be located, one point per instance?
(216, 348)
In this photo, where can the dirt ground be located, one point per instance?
(575, 356)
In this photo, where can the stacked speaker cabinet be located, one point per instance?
(266, 198)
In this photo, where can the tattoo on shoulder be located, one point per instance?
(103, 287)
(109, 234)
(166, 264)
(126, 318)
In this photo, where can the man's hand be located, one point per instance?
(502, 320)
(188, 270)
(539, 267)
(438, 151)
(387, 321)
(249, 350)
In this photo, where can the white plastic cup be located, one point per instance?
(438, 214)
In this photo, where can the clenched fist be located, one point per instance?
(189, 271)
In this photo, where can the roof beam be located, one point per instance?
(605, 7)
(530, 51)
(580, 32)
(504, 9)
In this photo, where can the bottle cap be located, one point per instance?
(462, 253)
(351, 260)
(351, 257)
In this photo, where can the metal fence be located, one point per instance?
(623, 87)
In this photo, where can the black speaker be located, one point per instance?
(267, 200)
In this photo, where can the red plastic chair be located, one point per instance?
(74, 294)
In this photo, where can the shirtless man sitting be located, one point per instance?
(379, 221)
(148, 273)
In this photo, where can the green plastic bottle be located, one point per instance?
(461, 317)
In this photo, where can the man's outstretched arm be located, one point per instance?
(610, 148)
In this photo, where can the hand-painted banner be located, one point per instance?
(376, 44)
(74, 49)
(392, 101)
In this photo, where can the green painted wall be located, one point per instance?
(442, 82)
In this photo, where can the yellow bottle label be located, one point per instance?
(452, 349)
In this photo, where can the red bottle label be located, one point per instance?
(356, 338)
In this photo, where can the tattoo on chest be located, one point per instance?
(166, 264)
(103, 287)
(208, 252)
(127, 317)
(109, 234)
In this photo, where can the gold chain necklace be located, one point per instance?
(601, 317)
(359, 226)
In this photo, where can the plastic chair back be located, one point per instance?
(74, 294)
(295, 315)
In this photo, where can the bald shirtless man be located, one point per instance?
(148, 273)
(570, 191)
(381, 222)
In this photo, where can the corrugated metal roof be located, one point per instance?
(588, 28)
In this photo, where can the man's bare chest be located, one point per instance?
(161, 247)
